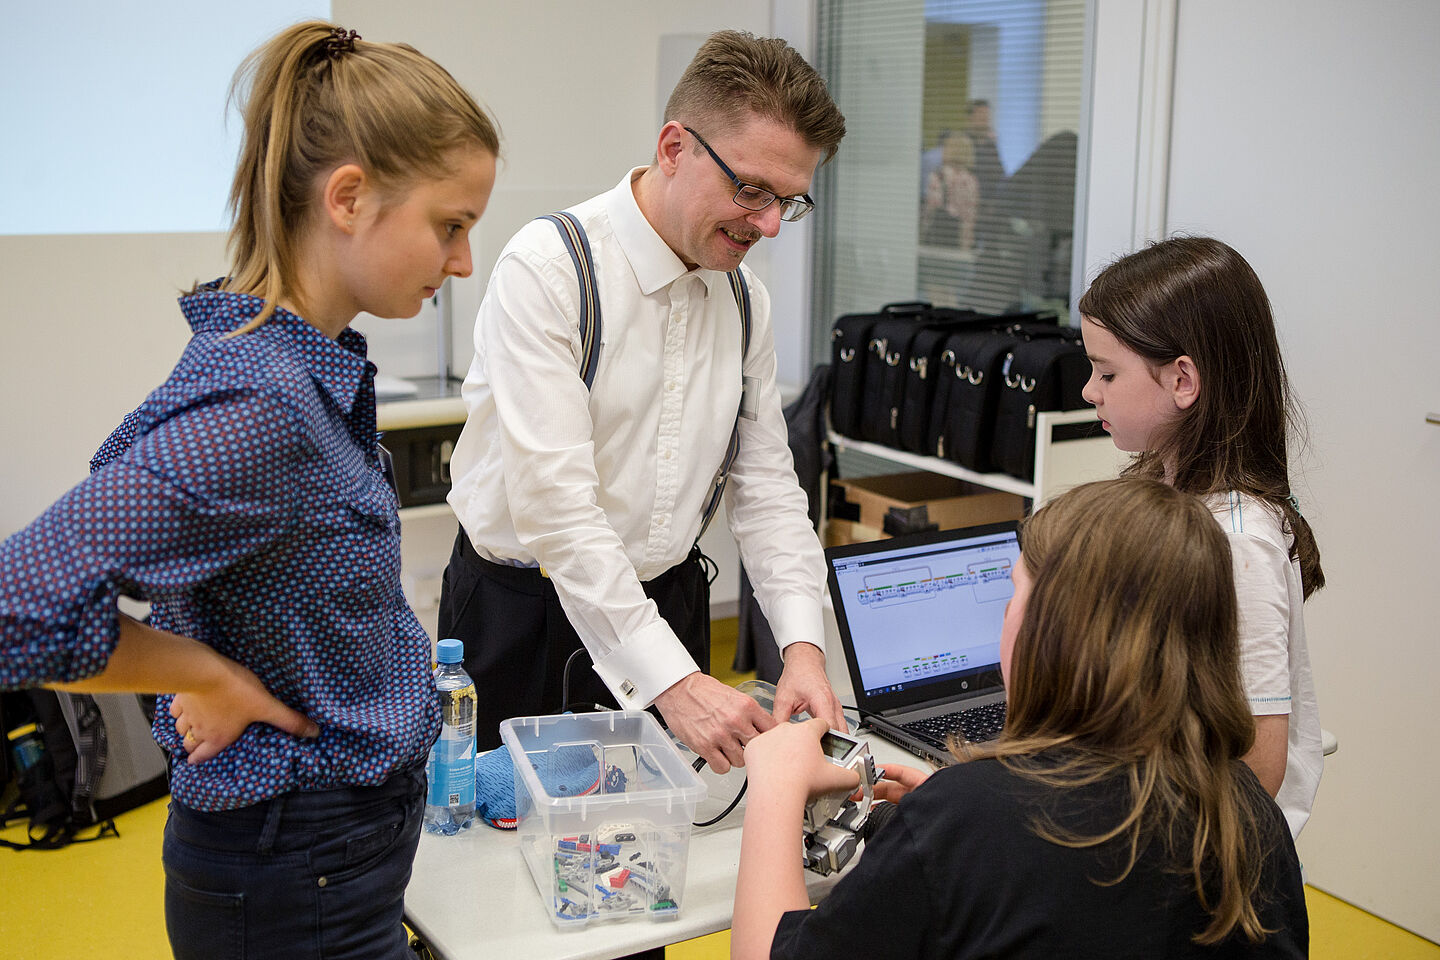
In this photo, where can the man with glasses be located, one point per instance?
(580, 507)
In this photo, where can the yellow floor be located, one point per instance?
(106, 899)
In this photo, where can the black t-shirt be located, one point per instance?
(960, 873)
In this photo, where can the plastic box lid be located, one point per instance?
(668, 777)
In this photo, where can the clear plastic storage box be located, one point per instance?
(605, 803)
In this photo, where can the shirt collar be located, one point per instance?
(339, 366)
(656, 266)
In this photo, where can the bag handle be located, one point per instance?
(907, 308)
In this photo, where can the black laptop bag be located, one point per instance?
(923, 370)
(849, 346)
(1045, 370)
(968, 428)
(962, 405)
(942, 383)
(884, 375)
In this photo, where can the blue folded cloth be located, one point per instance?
(570, 771)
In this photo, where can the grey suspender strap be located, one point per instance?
(578, 246)
(717, 489)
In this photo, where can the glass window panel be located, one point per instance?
(956, 180)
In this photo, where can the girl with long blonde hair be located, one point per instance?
(246, 501)
(1113, 817)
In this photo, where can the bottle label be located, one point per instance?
(26, 748)
(451, 771)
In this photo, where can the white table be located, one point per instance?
(471, 896)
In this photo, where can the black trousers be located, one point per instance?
(517, 638)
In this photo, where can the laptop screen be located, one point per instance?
(923, 611)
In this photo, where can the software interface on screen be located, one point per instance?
(926, 612)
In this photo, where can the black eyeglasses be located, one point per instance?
(752, 197)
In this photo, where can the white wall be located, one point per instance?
(129, 72)
(575, 88)
(1304, 134)
(88, 327)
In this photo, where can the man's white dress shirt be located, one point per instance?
(604, 488)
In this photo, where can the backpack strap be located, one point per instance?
(578, 246)
(56, 786)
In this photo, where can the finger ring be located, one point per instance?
(189, 736)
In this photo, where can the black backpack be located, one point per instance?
(78, 761)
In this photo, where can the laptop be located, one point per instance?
(920, 619)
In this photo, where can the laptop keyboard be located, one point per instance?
(975, 724)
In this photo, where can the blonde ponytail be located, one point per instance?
(314, 97)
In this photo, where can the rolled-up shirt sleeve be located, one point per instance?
(204, 486)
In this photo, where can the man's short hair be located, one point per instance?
(737, 75)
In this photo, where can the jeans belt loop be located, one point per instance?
(271, 829)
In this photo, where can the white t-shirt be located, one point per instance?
(1274, 660)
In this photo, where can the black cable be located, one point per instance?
(707, 566)
(872, 828)
(733, 803)
(699, 763)
(861, 714)
(881, 813)
(565, 679)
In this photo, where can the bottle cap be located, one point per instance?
(449, 651)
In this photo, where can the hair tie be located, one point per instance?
(340, 42)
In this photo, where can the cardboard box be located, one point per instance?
(857, 508)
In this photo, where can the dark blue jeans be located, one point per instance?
(302, 875)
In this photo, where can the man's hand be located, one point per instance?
(804, 686)
(211, 718)
(712, 719)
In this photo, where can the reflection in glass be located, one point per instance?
(916, 79)
(1000, 105)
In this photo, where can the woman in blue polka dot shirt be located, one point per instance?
(246, 501)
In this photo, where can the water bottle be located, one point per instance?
(450, 800)
(26, 747)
